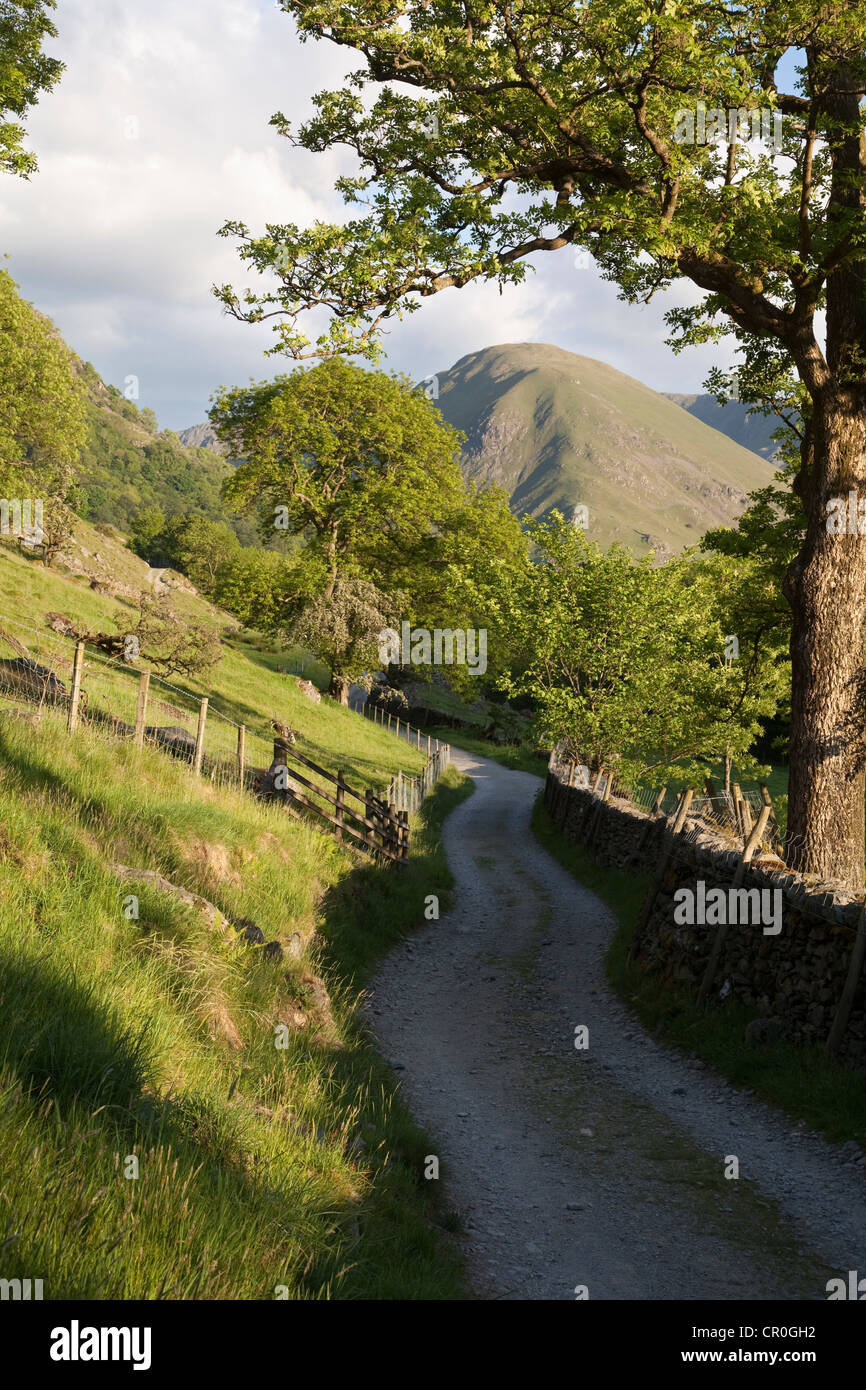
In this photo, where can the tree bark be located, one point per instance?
(826, 587)
(339, 688)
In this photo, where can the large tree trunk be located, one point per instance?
(826, 585)
(827, 591)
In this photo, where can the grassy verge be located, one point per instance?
(368, 911)
(829, 1097)
(248, 684)
(180, 1116)
(519, 757)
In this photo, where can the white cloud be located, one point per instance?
(158, 133)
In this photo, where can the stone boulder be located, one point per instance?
(307, 688)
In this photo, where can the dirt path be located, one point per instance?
(603, 1167)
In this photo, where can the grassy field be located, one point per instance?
(831, 1098)
(182, 1116)
(263, 1170)
(247, 685)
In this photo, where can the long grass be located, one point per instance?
(248, 685)
(181, 1117)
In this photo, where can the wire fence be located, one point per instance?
(407, 793)
(46, 673)
(404, 792)
(736, 815)
(52, 676)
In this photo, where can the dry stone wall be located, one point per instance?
(786, 957)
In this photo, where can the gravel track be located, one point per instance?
(599, 1169)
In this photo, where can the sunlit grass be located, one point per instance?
(147, 1032)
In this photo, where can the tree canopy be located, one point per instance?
(357, 462)
(627, 661)
(42, 403)
(664, 139)
(25, 72)
(488, 133)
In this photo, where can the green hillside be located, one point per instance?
(559, 430)
(740, 423)
(250, 685)
(155, 1140)
(128, 465)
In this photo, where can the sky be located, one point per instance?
(158, 133)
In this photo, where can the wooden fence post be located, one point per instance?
(661, 869)
(852, 979)
(370, 816)
(591, 811)
(768, 801)
(242, 749)
(418, 734)
(647, 830)
(77, 669)
(752, 842)
(141, 708)
(199, 736)
(608, 787)
(340, 800)
(746, 811)
(404, 849)
(398, 726)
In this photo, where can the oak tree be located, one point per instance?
(25, 72)
(490, 131)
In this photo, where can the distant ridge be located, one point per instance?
(201, 437)
(558, 430)
(740, 423)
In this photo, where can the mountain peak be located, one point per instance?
(560, 430)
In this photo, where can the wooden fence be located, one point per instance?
(404, 792)
(407, 793)
(733, 814)
(55, 674)
(379, 830)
